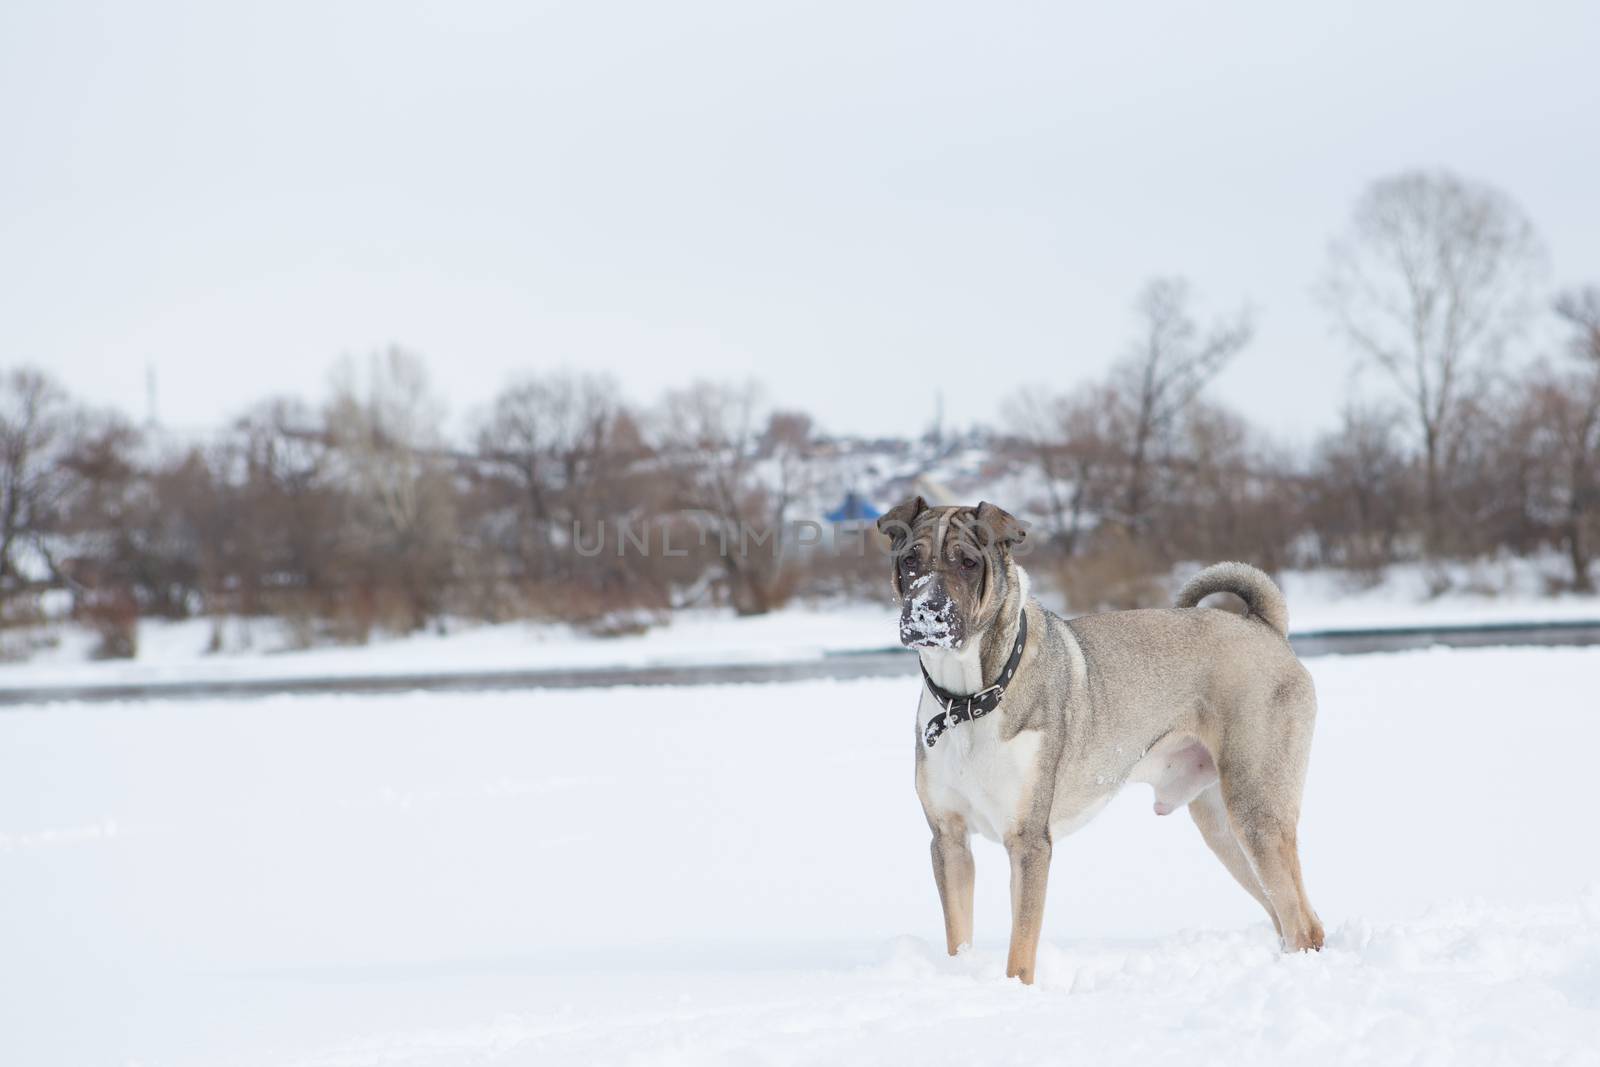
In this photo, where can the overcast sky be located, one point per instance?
(860, 204)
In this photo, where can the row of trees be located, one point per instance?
(360, 512)
(1467, 450)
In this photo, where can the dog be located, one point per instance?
(1029, 723)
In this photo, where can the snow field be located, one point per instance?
(739, 874)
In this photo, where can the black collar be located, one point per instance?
(961, 708)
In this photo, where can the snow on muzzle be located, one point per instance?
(928, 618)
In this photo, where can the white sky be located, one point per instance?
(856, 203)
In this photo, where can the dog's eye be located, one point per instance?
(908, 562)
(969, 563)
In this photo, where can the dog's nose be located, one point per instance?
(929, 619)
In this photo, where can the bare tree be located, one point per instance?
(1432, 278)
(561, 460)
(553, 438)
(1167, 366)
(75, 511)
(1227, 494)
(291, 536)
(1561, 413)
(384, 428)
(36, 425)
(1070, 443)
(1561, 410)
(1581, 309)
(1360, 490)
(713, 445)
(785, 447)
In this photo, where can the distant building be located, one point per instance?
(854, 508)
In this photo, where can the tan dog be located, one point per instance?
(1024, 746)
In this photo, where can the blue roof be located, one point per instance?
(854, 508)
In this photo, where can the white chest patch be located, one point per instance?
(973, 773)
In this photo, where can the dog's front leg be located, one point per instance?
(953, 873)
(1029, 850)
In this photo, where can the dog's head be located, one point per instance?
(952, 569)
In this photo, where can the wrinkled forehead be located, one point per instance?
(937, 527)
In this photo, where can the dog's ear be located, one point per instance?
(999, 527)
(896, 522)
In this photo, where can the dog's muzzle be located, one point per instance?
(929, 619)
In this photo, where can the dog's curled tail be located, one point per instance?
(1260, 594)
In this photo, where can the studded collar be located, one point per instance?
(960, 708)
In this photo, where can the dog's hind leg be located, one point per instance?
(1263, 803)
(1263, 769)
(954, 874)
(1273, 853)
(1211, 817)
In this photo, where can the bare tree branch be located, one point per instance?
(1433, 277)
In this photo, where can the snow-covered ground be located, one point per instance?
(257, 649)
(739, 874)
(1514, 589)
(180, 651)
